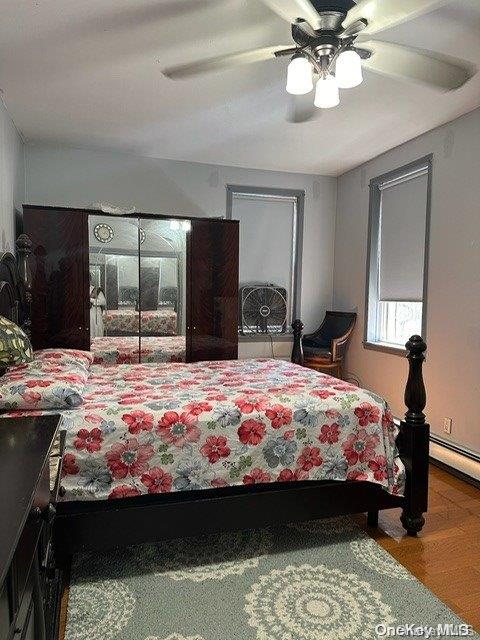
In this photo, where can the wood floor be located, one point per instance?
(445, 557)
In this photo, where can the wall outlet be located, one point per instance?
(447, 425)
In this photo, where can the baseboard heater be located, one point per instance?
(451, 455)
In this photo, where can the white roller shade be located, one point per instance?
(266, 239)
(402, 238)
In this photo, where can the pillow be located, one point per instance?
(65, 356)
(43, 384)
(15, 346)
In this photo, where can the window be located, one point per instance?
(271, 226)
(397, 256)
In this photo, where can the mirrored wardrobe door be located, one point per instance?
(114, 289)
(162, 289)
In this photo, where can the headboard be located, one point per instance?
(15, 284)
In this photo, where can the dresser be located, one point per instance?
(31, 451)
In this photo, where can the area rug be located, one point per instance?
(319, 580)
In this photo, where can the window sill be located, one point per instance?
(259, 337)
(385, 348)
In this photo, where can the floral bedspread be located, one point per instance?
(156, 428)
(124, 349)
(158, 322)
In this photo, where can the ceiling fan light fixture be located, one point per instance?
(326, 93)
(299, 76)
(348, 69)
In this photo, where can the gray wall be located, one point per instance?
(452, 371)
(12, 179)
(76, 177)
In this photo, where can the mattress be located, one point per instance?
(159, 428)
(125, 349)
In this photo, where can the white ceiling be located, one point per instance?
(87, 74)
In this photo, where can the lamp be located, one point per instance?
(326, 93)
(299, 76)
(348, 69)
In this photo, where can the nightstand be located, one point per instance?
(32, 449)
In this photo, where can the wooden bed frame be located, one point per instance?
(101, 525)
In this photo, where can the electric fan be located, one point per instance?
(263, 309)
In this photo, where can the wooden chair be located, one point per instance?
(325, 348)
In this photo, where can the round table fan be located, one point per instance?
(263, 309)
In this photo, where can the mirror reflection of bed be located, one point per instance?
(137, 289)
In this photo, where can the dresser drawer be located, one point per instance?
(31, 534)
(5, 613)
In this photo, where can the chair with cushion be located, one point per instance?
(325, 348)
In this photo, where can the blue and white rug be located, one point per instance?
(321, 580)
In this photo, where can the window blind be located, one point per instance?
(266, 239)
(403, 214)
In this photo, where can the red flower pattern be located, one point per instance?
(309, 458)
(248, 404)
(178, 429)
(69, 465)
(138, 421)
(367, 413)
(360, 447)
(379, 467)
(157, 480)
(89, 440)
(287, 475)
(251, 432)
(128, 458)
(215, 447)
(279, 415)
(257, 476)
(124, 491)
(329, 433)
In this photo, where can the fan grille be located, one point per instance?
(264, 309)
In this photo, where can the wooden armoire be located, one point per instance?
(61, 278)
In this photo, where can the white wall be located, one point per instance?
(77, 177)
(452, 371)
(12, 179)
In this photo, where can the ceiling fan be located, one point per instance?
(332, 44)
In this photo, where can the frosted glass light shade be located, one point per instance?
(348, 70)
(299, 76)
(326, 93)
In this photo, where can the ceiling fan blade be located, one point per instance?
(222, 62)
(291, 10)
(427, 67)
(383, 14)
(301, 109)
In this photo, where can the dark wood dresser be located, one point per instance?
(31, 453)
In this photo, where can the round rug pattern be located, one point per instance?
(310, 602)
(211, 558)
(98, 610)
(371, 555)
(325, 526)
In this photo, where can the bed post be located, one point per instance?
(297, 351)
(414, 436)
(24, 249)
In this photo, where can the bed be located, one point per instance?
(126, 322)
(125, 349)
(167, 450)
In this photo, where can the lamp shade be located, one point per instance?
(326, 93)
(348, 70)
(299, 76)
